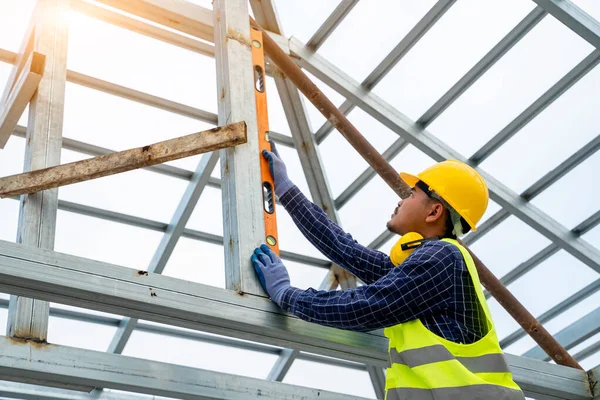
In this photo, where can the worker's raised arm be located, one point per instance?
(327, 236)
(422, 286)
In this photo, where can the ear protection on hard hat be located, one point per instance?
(406, 245)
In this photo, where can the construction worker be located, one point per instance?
(443, 344)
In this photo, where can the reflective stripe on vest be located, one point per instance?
(436, 353)
(475, 392)
(426, 366)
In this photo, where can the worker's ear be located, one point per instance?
(436, 211)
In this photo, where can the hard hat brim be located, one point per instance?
(409, 179)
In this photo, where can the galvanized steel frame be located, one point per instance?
(565, 11)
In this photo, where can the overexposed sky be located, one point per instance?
(373, 28)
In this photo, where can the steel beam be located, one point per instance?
(507, 43)
(141, 97)
(332, 22)
(588, 352)
(388, 63)
(574, 18)
(241, 187)
(538, 187)
(104, 287)
(21, 361)
(282, 365)
(439, 151)
(544, 254)
(569, 337)
(193, 335)
(20, 93)
(179, 15)
(134, 25)
(13, 390)
(119, 290)
(554, 311)
(378, 379)
(560, 87)
(152, 101)
(28, 318)
(368, 174)
(170, 238)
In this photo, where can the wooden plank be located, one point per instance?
(20, 95)
(157, 153)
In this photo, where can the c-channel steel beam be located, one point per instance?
(143, 28)
(436, 149)
(148, 99)
(27, 362)
(579, 331)
(385, 66)
(109, 288)
(193, 335)
(28, 318)
(378, 379)
(368, 174)
(587, 352)
(560, 87)
(479, 69)
(241, 187)
(555, 311)
(538, 187)
(162, 227)
(169, 240)
(507, 43)
(574, 18)
(283, 364)
(547, 252)
(332, 22)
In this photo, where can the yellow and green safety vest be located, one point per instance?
(425, 366)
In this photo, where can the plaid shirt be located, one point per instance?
(432, 284)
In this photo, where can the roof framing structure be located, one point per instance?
(78, 281)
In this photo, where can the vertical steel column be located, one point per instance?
(28, 318)
(243, 223)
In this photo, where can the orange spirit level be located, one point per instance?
(262, 118)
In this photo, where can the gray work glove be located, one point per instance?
(278, 171)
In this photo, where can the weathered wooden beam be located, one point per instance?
(20, 94)
(109, 164)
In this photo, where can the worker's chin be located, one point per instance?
(392, 227)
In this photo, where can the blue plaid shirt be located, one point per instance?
(432, 284)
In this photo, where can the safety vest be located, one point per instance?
(425, 366)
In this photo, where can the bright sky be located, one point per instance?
(458, 41)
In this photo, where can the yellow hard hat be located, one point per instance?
(459, 185)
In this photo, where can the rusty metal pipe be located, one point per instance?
(392, 178)
(333, 115)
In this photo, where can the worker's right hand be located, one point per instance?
(278, 171)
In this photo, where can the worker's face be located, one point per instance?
(411, 213)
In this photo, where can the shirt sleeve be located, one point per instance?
(422, 284)
(330, 239)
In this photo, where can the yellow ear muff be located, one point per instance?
(399, 253)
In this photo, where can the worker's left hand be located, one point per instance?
(272, 273)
